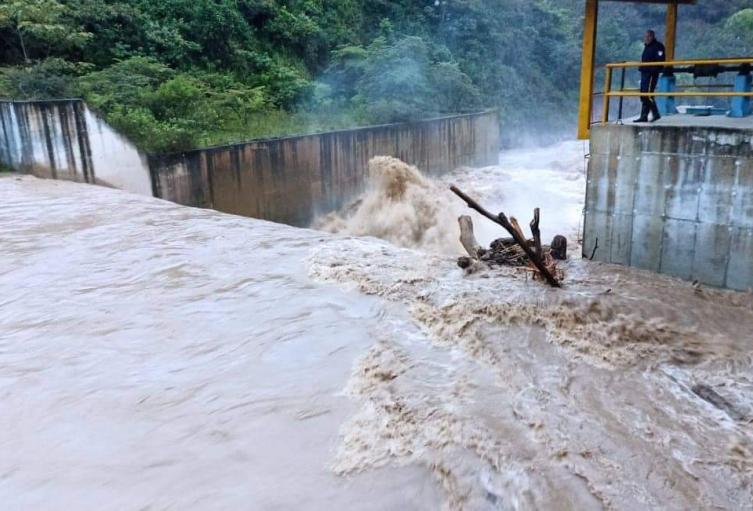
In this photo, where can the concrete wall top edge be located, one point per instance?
(39, 101)
(294, 179)
(666, 129)
(685, 140)
(408, 124)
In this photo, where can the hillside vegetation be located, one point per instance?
(176, 74)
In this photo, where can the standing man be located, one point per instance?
(653, 52)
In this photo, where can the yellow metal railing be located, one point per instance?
(677, 63)
(727, 65)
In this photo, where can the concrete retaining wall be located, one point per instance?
(676, 200)
(292, 180)
(65, 140)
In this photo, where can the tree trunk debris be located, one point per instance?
(515, 251)
(536, 233)
(559, 248)
(468, 239)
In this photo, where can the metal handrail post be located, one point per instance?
(622, 88)
(607, 90)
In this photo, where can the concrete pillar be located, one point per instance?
(740, 106)
(666, 104)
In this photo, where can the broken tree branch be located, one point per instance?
(468, 238)
(502, 220)
(516, 225)
(536, 233)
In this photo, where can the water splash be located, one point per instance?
(401, 206)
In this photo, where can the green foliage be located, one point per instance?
(124, 83)
(400, 80)
(286, 85)
(177, 98)
(411, 78)
(165, 110)
(151, 134)
(39, 26)
(739, 28)
(237, 99)
(51, 78)
(173, 74)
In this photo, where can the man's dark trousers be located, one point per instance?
(648, 84)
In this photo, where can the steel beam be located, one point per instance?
(587, 68)
(671, 36)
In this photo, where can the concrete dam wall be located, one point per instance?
(289, 180)
(64, 139)
(294, 179)
(676, 200)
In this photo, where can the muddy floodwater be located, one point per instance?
(157, 357)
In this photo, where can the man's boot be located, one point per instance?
(655, 116)
(644, 114)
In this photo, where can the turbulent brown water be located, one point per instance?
(411, 210)
(401, 206)
(156, 357)
(528, 398)
(625, 390)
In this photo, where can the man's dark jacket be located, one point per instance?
(653, 52)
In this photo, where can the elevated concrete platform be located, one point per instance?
(674, 197)
(697, 121)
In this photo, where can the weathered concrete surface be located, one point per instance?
(292, 180)
(673, 199)
(702, 121)
(63, 139)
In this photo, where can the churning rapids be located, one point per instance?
(156, 357)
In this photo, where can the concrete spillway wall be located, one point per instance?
(676, 200)
(292, 180)
(289, 180)
(64, 139)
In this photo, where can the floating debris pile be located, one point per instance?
(516, 251)
(507, 252)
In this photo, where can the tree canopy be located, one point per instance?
(174, 74)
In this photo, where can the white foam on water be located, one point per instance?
(402, 206)
(411, 210)
(551, 178)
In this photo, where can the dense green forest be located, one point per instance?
(175, 74)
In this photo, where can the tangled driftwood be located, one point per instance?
(515, 251)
